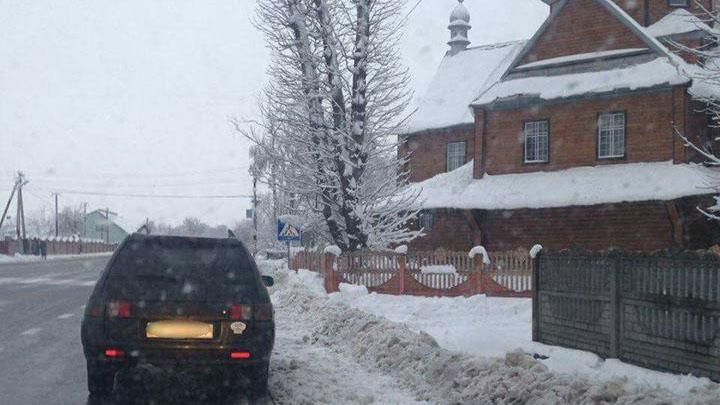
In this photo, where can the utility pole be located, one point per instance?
(20, 221)
(57, 227)
(7, 206)
(107, 226)
(85, 205)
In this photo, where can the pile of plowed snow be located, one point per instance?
(443, 376)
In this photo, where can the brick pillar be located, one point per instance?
(402, 260)
(331, 284)
(479, 267)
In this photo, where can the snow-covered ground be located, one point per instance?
(18, 258)
(440, 350)
(492, 327)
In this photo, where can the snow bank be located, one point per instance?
(577, 186)
(438, 269)
(310, 280)
(492, 327)
(441, 376)
(352, 290)
(481, 325)
(660, 71)
(401, 250)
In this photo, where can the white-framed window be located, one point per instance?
(611, 135)
(536, 136)
(678, 3)
(454, 155)
(426, 220)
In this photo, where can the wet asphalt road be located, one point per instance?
(41, 359)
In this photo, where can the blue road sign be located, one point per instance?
(288, 232)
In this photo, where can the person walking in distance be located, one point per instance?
(43, 248)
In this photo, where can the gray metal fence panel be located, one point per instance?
(657, 311)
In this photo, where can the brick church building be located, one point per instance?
(568, 139)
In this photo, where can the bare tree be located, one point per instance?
(70, 221)
(706, 74)
(330, 113)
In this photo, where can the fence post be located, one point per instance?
(536, 259)
(402, 260)
(479, 269)
(330, 254)
(615, 270)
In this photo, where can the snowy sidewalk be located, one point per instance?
(305, 372)
(493, 326)
(329, 352)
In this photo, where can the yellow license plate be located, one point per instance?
(179, 330)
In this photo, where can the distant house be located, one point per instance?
(97, 226)
(567, 139)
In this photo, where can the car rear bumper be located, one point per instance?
(176, 352)
(178, 357)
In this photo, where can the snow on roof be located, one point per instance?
(659, 71)
(582, 57)
(679, 21)
(577, 186)
(458, 81)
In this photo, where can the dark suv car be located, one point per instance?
(179, 302)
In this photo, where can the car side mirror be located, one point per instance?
(268, 281)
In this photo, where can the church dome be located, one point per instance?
(460, 13)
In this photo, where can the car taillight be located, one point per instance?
(114, 353)
(241, 312)
(119, 309)
(240, 355)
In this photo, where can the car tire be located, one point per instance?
(101, 381)
(258, 381)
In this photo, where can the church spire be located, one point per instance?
(459, 27)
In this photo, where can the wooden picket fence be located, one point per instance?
(438, 273)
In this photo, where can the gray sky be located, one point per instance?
(134, 96)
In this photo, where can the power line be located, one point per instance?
(111, 176)
(155, 185)
(178, 196)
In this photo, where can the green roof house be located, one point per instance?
(97, 226)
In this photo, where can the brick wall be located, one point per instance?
(427, 150)
(636, 9)
(573, 132)
(656, 10)
(644, 226)
(583, 26)
(451, 230)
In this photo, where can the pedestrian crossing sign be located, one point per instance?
(288, 232)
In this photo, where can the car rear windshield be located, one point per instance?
(179, 268)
